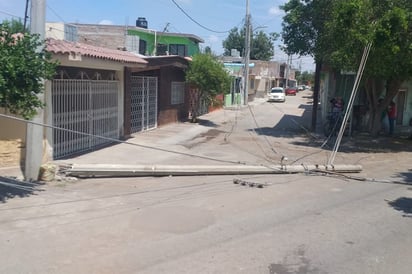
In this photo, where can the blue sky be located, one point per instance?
(216, 15)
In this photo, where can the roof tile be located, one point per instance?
(66, 47)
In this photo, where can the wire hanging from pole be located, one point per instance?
(350, 103)
(25, 15)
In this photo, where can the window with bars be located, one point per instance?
(178, 93)
(176, 49)
(161, 49)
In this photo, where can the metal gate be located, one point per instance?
(143, 103)
(87, 106)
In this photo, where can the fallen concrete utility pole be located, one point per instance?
(100, 170)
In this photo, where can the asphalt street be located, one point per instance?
(297, 223)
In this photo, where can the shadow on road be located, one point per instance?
(207, 123)
(10, 188)
(407, 176)
(291, 126)
(402, 204)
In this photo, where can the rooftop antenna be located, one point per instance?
(165, 29)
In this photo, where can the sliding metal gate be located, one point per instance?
(86, 106)
(143, 103)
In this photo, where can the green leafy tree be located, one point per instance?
(235, 40)
(208, 50)
(261, 46)
(22, 67)
(209, 75)
(388, 26)
(304, 77)
(304, 33)
(14, 26)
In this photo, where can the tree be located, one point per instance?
(209, 76)
(388, 26)
(14, 26)
(262, 45)
(21, 69)
(304, 33)
(235, 40)
(208, 50)
(304, 77)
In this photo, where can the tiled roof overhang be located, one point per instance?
(66, 47)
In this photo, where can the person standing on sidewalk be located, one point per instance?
(392, 117)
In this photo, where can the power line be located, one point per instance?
(9, 14)
(121, 142)
(55, 13)
(196, 22)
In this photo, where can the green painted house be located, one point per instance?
(138, 39)
(153, 43)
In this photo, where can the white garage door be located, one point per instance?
(86, 106)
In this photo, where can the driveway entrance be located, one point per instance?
(87, 106)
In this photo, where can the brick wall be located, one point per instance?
(112, 37)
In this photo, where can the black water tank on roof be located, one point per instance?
(141, 22)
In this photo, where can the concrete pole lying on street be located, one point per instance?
(101, 170)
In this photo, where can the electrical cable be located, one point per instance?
(194, 21)
(55, 13)
(19, 185)
(324, 143)
(351, 101)
(234, 125)
(257, 125)
(123, 142)
(230, 132)
(12, 15)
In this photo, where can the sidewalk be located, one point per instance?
(152, 146)
(138, 149)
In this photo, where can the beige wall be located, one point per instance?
(55, 31)
(113, 37)
(407, 115)
(11, 129)
(264, 72)
(107, 36)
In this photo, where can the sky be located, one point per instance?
(213, 18)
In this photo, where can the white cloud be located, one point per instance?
(275, 11)
(105, 22)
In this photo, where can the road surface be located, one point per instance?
(299, 223)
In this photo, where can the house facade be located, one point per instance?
(156, 95)
(136, 39)
(263, 75)
(340, 84)
(149, 95)
(86, 97)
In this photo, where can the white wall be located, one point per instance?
(55, 31)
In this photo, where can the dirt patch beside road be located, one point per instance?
(10, 152)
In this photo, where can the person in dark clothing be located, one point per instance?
(392, 117)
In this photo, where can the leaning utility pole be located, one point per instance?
(35, 133)
(247, 54)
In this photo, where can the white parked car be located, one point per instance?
(276, 95)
